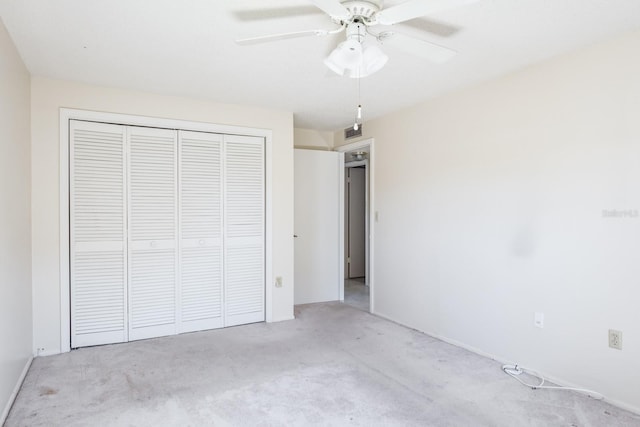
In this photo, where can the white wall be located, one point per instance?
(15, 215)
(48, 96)
(491, 204)
(312, 139)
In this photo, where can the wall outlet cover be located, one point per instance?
(615, 339)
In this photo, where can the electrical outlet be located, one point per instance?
(615, 339)
(538, 320)
(279, 282)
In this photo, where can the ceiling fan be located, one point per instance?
(356, 57)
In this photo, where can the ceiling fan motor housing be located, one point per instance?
(362, 11)
(356, 31)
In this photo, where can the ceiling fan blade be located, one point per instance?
(333, 8)
(281, 36)
(432, 26)
(424, 49)
(412, 9)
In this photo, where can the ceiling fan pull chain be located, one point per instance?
(358, 120)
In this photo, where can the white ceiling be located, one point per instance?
(186, 47)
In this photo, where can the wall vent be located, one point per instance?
(352, 133)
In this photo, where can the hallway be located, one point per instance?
(356, 294)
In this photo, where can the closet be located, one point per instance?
(166, 229)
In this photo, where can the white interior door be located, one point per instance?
(200, 231)
(318, 209)
(98, 260)
(357, 182)
(244, 230)
(153, 287)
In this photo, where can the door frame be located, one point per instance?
(67, 114)
(369, 144)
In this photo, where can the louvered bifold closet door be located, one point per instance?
(244, 207)
(200, 231)
(98, 261)
(153, 293)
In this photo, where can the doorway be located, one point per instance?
(358, 208)
(356, 289)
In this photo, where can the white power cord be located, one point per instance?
(514, 371)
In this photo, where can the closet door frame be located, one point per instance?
(67, 114)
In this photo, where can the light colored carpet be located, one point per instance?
(356, 294)
(332, 366)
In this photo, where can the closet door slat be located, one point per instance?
(200, 231)
(244, 206)
(153, 289)
(97, 234)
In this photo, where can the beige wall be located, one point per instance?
(491, 204)
(312, 139)
(15, 216)
(47, 98)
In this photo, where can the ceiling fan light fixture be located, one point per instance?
(333, 65)
(373, 59)
(347, 56)
(355, 57)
